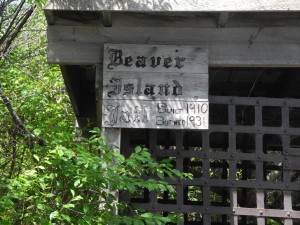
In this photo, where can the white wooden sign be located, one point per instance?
(155, 86)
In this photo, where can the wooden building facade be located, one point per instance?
(246, 165)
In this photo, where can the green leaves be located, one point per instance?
(67, 184)
(77, 198)
(62, 181)
(37, 132)
(69, 205)
(54, 215)
(138, 149)
(39, 3)
(66, 217)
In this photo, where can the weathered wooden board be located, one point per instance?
(227, 46)
(155, 114)
(175, 5)
(172, 94)
(96, 34)
(220, 54)
(141, 58)
(118, 89)
(176, 19)
(201, 20)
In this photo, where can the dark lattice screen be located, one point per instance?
(246, 166)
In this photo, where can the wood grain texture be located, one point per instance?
(113, 140)
(155, 114)
(170, 91)
(195, 85)
(178, 19)
(113, 137)
(269, 47)
(99, 93)
(175, 5)
(194, 58)
(148, 35)
(220, 55)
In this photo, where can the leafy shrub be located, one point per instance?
(77, 183)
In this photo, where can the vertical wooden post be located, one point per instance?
(112, 135)
(99, 92)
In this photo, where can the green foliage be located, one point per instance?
(59, 180)
(272, 222)
(37, 94)
(39, 3)
(65, 185)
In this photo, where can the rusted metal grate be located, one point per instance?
(246, 167)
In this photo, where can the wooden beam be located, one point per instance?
(223, 18)
(171, 35)
(181, 19)
(71, 86)
(50, 17)
(99, 93)
(173, 5)
(106, 18)
(220, 55)
(227, 47)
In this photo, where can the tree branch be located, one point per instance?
(17, 119)
(17, 30)
(9, 29)
(7, 41)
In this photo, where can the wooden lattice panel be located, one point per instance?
(246, 167)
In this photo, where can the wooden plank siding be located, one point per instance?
(253, 46)
(175, 5)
